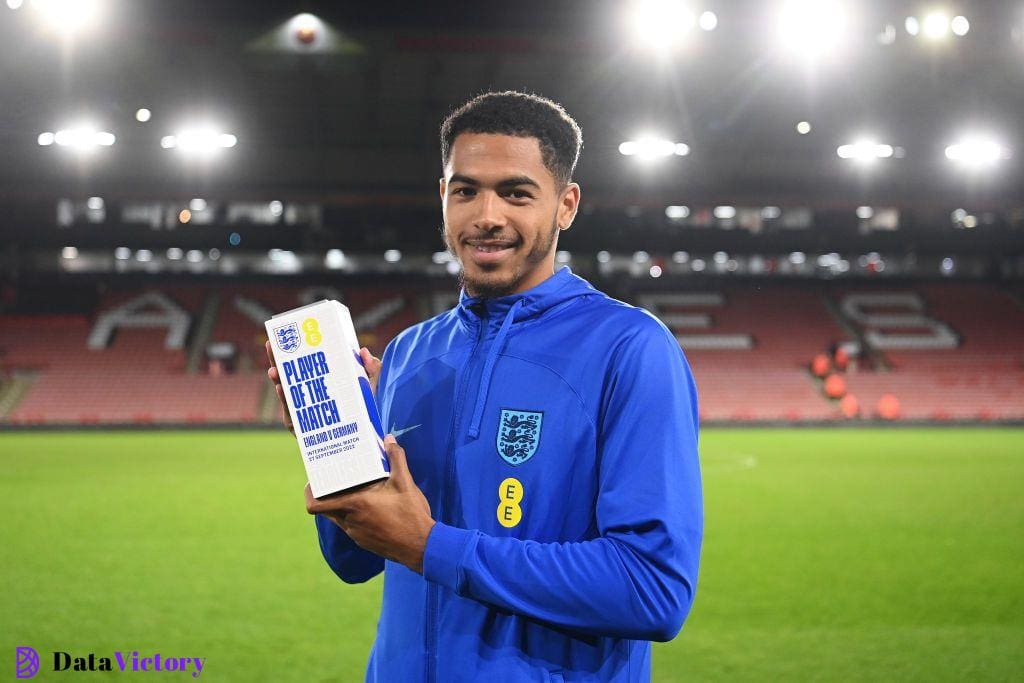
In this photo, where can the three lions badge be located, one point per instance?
(518, 435)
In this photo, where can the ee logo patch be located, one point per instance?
(312, 329)
(510, 494)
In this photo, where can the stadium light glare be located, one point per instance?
(935, 25)
(865, 151)
(204, 142)
(725, 212)
(144, 255)
(650, 147)
(655, 271)
(912, 26)
(641, 257)
(977, 152)
(960, 26)
(677, 212)
(804, 127)
(197, 204)
(720, 257)
(143, 115)
(68, 16)
(276, 208)
(813, 28)
(122, 253)
(69, 253)
(661, 25)
(865, 212)
(563, 256)
(94, 203)
(948, 265)
(83, 138)
(769, 213)
(213, 254)
(887, 35)
(175, 254)
(697, 265)
(708, 21)
(392, 256)
(194, 256)
(798, 258)
(14, 4)
(603, 257)
(680, 257)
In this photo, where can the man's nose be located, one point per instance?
(491, 214)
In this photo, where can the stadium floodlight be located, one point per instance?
(813, 28)
(68, 16)
(865, 212)
(798, 258)
(194, 256)
(680, 256)
(960, 26)
(912, 26)
(84, 138)
(977, 152)
(655, 271)
(769, 213)
(641, 257)
(935, 25)
(306, 28)
(143, 115)
(677, 212)
(865, 151)
(203, 142)
(804, 127)
(650, 147)
(888, 35)
(563, 256)
(69, 253)
(144, 255)
(213, 254)
(724, 212)
(392, 256)
(14, 4)
(197, 204)
(175, 254)
(122, 253)
(603, 257)
(708, 21)
(276, 208)
(94, 203)
(661, 25)
(697, 265)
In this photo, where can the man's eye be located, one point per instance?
(463, 191)
(519, 194)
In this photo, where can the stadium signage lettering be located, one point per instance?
(125, 661)
(307, 390)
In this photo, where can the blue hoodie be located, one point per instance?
(554, 434)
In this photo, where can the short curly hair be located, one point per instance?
(522, 115)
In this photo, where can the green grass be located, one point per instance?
(829, 555)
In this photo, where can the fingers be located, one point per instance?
(400, 474)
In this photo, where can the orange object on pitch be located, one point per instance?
(850, 406)
(842, 358)
(835, 386)
(888, 407)
(820, 365)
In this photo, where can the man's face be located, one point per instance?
(502, 212)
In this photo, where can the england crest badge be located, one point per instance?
(518, 435)
(287, 337)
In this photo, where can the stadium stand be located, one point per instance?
(942, 351)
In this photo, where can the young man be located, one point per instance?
(547, 523)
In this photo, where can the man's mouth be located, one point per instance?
(490, 251)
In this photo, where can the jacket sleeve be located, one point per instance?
(637, 578)
(351, 563)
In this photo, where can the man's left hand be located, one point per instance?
(390, 518)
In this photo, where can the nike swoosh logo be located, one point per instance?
(398, 432)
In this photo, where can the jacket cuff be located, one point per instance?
(442, 558)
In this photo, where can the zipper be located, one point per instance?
(433, 590)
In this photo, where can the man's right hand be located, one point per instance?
(370, 362)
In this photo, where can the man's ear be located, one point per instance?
(443, 184)
(568, 204)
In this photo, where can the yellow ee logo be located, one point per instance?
(312, 329)
(510, 494)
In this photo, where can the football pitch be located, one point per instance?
(845, 555)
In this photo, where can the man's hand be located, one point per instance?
(390, 518)
(370, 362)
